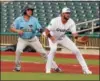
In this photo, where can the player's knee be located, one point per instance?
(44, 56)
(42, 51)
(53, 49)
(18, 51)
(76, 51)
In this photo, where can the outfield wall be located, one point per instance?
(11, 39)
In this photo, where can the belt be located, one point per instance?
(27, 38)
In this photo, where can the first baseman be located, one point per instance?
(55, 32)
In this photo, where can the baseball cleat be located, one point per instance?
(57, 70)
(17, 69)
(48, 72)
(87, 72)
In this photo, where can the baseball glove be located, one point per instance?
(82, 40)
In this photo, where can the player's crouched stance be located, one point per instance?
(26, 26)
(55, 32)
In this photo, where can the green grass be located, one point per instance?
(43, 76)
(58, 60)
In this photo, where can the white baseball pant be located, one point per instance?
(34, 43)
(67, 43)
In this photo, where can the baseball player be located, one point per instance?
(55, 32)
(26, 27)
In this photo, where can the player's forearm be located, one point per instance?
(12, 29)
(20, 32)
(47, 32)
(48, 35)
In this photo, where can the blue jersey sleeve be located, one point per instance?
(16, 23)
(38, 26)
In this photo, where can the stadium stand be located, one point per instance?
(44, 11)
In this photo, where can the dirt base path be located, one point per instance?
(36, 67)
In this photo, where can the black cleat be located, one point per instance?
(16, 70)
(57, 70)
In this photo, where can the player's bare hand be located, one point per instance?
(52, 39)
(20, 32)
